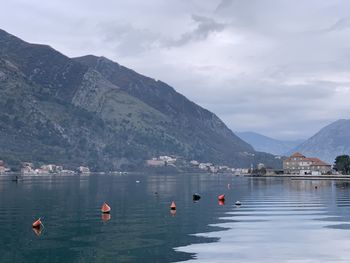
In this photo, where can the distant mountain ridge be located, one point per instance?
(266, 144)
(329, 142)
(90, 110)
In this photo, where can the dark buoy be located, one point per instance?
(238, 203)
(196, 197)
(316, 187)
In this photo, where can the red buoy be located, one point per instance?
(221, 197)
(173, 206)
(105, 208)
(221, 202)
(37, 223)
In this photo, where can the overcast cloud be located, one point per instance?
(278, 67)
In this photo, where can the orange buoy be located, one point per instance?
(105, 208)
(221, 197)
(173, 206)
(222, 202)
(37, 223)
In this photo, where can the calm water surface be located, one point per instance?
(280, 220)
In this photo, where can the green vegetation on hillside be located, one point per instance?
(71, 112)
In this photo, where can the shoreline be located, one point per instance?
(304, 177)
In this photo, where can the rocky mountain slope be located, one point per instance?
(93, 111)
(329, 142)
(266, 144)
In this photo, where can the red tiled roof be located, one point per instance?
(313, 160)
(316, 161)
(297, 154)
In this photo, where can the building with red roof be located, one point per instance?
(300, 164)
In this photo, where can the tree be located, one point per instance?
(342, 164)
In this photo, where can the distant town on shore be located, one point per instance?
(296, 165)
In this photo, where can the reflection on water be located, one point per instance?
(282, 220)
(140, 227)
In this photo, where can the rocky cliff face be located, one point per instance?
(93, 111)
(329, 142)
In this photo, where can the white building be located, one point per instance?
(299, 164)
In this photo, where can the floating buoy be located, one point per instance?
(173, 206)
(222, 202)
(37, 223)
(196, 197)
(238, 203)
(105, 208)
(137, 181)
(106, 217)
(228, 186)
(316, 187)
(221, 197)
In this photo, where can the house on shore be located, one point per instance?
(83, 170)
(27, 168)
(302, 165)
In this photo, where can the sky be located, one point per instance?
(277, 67)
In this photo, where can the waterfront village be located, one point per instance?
(296, 164)
(28, 168)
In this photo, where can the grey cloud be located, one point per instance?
(272, 66)
(129, 40)
(341, 24)
(205, 26)
(223, 5)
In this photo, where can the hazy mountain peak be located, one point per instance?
(266, 144)
(329, 142)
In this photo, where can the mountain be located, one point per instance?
(266, 144)
(329, 142)
(93, 111)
